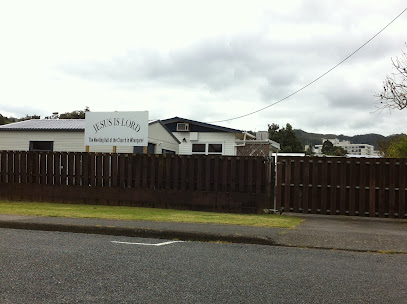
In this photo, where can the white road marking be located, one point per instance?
(147, 244)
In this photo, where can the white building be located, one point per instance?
(170, 136)
(68, 135)
(202, 138)
(351, 149)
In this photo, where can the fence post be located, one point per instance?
(315, 183)
(383, 165)
(24, 167)
(305, 186)
(392, 187)
(287, 184)
(10, 161)
(3, 164)
(352, 186)
(372, 188)
(324, 186)
(402, 188)
(332, 203)
(342, 185)
(242, 174)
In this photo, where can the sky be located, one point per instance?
(208, 61)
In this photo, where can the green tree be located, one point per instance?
(3, 120)
(308, 151)
(327, 148)
(286, 137)
(395, 147)
(28, 117)
(79, 114)
(339, 151)
(6, 120)
(54, 115)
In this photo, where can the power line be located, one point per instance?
(316, 79)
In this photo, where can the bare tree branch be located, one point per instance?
(394, 93)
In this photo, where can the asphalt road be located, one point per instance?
(56, 267)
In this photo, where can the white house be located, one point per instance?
(202, 138)
(68, 135)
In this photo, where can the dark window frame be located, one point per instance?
(208, 148)
(140, 149)
(197, 148)
(41, 146)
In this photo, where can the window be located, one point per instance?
(198, 148)
(139, 149)
(215, 148)
(209, 148)
(44, 146)
(165, 151)
(182, 127)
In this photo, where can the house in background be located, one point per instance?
(351, 149)
(68, 135)
(202, 138)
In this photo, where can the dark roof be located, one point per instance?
(198, 123)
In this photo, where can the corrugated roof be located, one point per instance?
(46, 124)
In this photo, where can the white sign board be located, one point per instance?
(116, 128)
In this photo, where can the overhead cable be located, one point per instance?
(316, 79)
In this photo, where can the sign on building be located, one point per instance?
(116, 128)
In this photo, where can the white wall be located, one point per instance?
(74, 141)
(63, 141)
(158, 135)
(227, 139)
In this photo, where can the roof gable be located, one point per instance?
(196, 126)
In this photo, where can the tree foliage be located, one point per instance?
(394, 93)
(308, 151)
(315, 138)
(3, 120)
(394, 147)
(28, 117)
(286, 137)
(77, 114)
(6, 120)
(329, 149)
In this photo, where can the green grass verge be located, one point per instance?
(146, 214)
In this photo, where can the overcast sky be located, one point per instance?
(204, 60)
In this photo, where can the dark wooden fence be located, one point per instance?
(347, 186)
(215, 183)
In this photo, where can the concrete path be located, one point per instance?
(316, 231)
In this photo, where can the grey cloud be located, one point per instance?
(21, 111)
(350, 98)
(217, 64)
(270, 68)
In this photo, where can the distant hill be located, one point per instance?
(316, 138)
